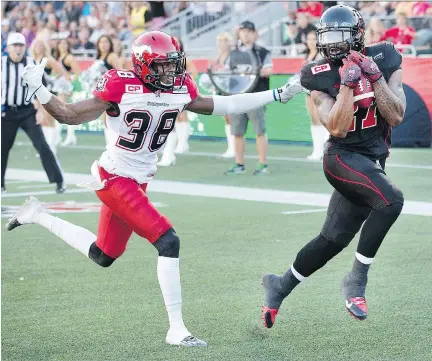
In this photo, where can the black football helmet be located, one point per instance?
(341, 29)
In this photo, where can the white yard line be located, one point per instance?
(288, 159)
(35, 186)
(215, 191)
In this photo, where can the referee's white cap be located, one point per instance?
(16, 38)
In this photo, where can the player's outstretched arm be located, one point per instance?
(242, 103)
(335, 115)
(73, 113)
(390, 98)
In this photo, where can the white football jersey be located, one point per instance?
(139, 122)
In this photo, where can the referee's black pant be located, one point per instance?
(25, 117)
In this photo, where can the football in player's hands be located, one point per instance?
(368, 67)
(364, 93)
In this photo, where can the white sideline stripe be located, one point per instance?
(288, 159)
(34, 186)
(305, 211)
(43, 193)
(219, 191)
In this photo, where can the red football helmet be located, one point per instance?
(157, 60)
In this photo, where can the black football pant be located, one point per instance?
(363, 194)
(25, 118)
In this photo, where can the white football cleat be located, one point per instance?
(25, 213)
(178, 339)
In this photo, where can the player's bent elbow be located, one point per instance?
(396, 120)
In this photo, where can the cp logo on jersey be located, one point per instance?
(134, 88)
(320, 68)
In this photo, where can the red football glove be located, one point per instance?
(367, 66)
(350, 74)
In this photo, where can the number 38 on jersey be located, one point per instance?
(140, 119)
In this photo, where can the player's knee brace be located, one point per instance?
(168, 245)
(97, 255)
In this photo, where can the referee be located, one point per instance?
(19, 112)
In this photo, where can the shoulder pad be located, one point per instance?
(393, 57)
(111, 86)
(311, 72)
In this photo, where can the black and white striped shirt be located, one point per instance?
(13, 92)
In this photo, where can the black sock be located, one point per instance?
(240, 165)
(288, 282)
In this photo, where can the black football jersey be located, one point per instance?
(369, 134)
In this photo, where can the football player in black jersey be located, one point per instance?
(354, 158)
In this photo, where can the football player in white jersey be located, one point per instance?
(142, 106)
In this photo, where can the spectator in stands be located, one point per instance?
(291, 32)
(374, 31)
(84, 43)
(29, 30)
(402, 33)
(158, 13)
(72, 11)
(313, 9)
(124, 32)
(97, 32)
(73, 34)
(48, 11)
(105, 52)
(304, 27)
(140, 18)
(124, 63)
(404, 7)
(248, 36)
(93, 20)
(421, 8)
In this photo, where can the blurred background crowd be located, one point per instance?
(82, 23)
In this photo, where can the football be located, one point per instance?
(363, 93)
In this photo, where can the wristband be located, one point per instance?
(43, 94)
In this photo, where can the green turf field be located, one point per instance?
(58, 305)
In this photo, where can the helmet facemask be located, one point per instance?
(167, 72)
(335, 43)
